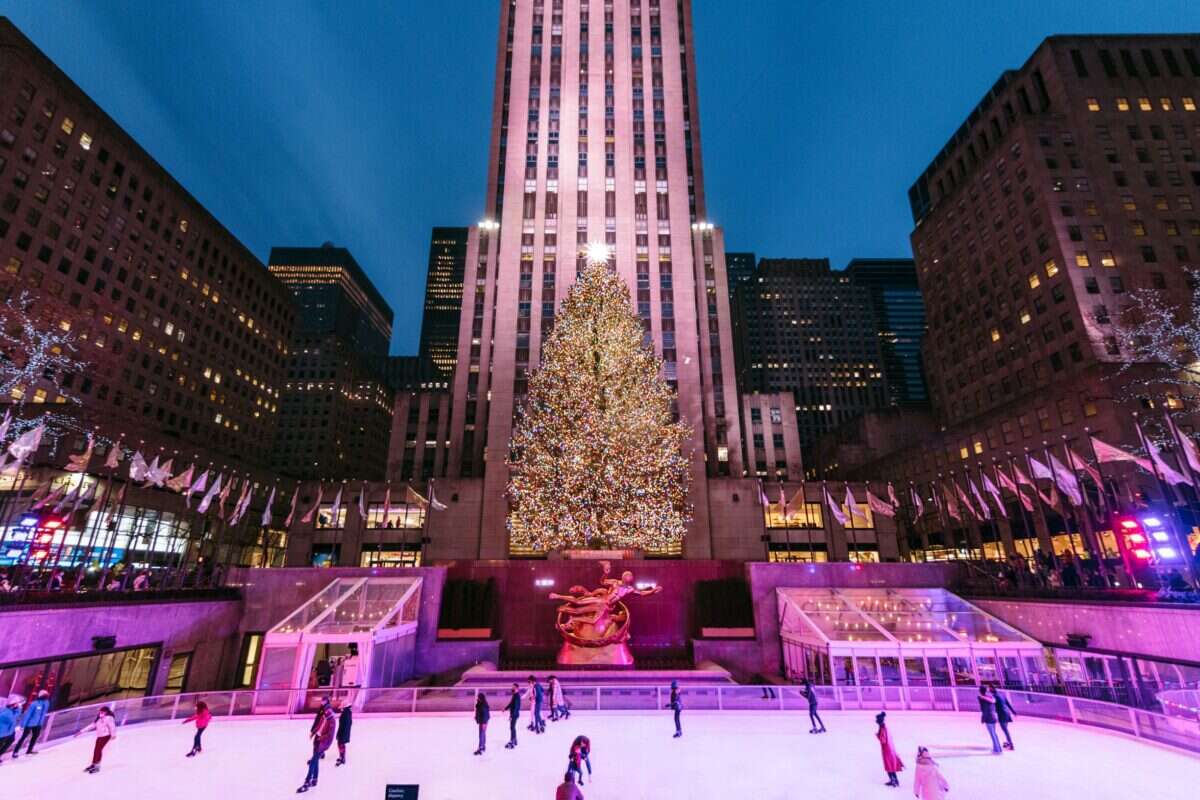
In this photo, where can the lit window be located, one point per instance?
(1165, 103)
(1051, 268)
(1034, 281)
(995, 335)
(1082, 260)
(1093, 104)
(85, 141)
(978, 448)
(68, 125)
(1025, 316)
(1144, 104)
(1139, 227)
(963, 453)
(1122, 104)
(1107, 259)
(1189, 104)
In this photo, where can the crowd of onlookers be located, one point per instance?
(119, 578)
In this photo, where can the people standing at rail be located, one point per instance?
(482, 714)
(105, 726)
(891, 759)
(202, 718)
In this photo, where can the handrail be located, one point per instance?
(1173, 730)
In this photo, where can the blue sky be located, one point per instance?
(366, 123)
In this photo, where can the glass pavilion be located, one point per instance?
(377, 616)
(878, 644)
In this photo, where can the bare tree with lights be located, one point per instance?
(596, 459)
(37, 352)
(1160, 338)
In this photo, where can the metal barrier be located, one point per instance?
(1174, 730)
(1183, 703)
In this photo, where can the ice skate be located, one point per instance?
(341, 760)
(304, 787)
(92, 769)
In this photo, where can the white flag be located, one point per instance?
(852, 505)
(337, 508)
(879, 506)
(27, 443)
(362, 503)
(210, 494)
(114, 456)
(182, 481)
(436, 506)
(4, 425)
(157, 476)
(312, 512)
(834, 511)
(79, 463)
(138, 467)
(199, 485)
(266, 515)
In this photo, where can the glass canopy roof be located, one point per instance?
(354, 606)
(916, 617)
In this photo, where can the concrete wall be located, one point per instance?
(207, 629)
(1153, 630)
(736, 519)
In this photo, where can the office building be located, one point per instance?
(899, 312)
(443, 298)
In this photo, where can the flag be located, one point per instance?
(1040, 471)
(964, 498)
(362, 503)
(916, 501)
(138, 467)
(1054, 501)
(206, 501)
(337, 508)
(979, 501)
(1190, 451)
(87, 496)
(1168, 473)
(834, 511)
(116, 505)
(436, 506)
(762, 495)
(990, 487)
(266, 515)
(387, 506)
(52, 497)
(243, 502)
(199, 485)
(951, 504)
(4, 425)
(114, 456)
(1107, 454)
(158, 475)
(79, 463)
(1086, 468)
(312, 512)
(1067, 481)
(1022, 478)
(287, 523)
(224, 496)
(182, 481)
(782, 504)
(892, 496)
(152, 471)
(27, 443)
(68, 498)
(412, 497)
(879, 506)
(852, 506)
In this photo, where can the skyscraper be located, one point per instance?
(899, 311)
(443, 298)
(596, 146)
(336, 405)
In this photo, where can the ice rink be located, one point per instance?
(722, 755)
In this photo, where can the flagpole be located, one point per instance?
(922, 530)
(383, 523)
(939, 501)
(765, 503)
(1085, 515)
(787, 528)
(1026, 523)
(826, 523)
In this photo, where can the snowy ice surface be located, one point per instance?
(765, 756)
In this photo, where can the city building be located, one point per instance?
(811, 331)
(895, 295)
(772, 436)
(336, 409)
(181, 330)
(443, 298)
(1072, 183)
(739, 269)
(595, 147)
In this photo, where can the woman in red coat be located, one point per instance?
(891, 761)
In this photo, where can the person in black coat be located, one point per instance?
(987, 715)
(343, 730)
(482, 714)
(1004, 715)
(810, 694)
(676, 705)
(514, 713)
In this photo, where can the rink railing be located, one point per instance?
(1176, 731)
(1183, 703)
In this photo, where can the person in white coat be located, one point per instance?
(105, 727)
(928, 781)
(558, 701)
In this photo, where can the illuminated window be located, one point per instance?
(68, 125)
(1189, 104)
(85, 141)
(1051, 268)
(1082, 260)
(1093, 104)
(995, 335)
(1107, 259)
(1025, 316)
(1139, 227)
(1034, 281)
(13, 267)
(1165, 103)
(963, 453)
(1122, 104)
(978, 448)
(1144, 104)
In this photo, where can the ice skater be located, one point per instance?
(928, 781)
(322, 737)
(482, 714)
(202, 717)
(9, 716)
(567, 790)
(345, 720)
(31, 723)
(891, 760)
(987, 715)
(676, 705)
(581, 753)
(1005, 714)
(558, 701)
(810, 694)
(514, 714)
(105, 726)
(537, 696)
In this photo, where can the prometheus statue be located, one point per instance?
(595, 625)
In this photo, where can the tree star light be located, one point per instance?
(597, 253)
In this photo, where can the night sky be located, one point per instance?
(367, 123)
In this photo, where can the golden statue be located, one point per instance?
(595, 625)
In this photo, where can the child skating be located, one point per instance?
(105, 726)
(202, 718)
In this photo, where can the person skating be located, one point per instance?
(891, 759)
(345, 720)
(202, 717)
(810, 694)
(8, 722)
(537, 697)
(928, 781)
(105, 726)
(322, 738)
(581, 753)
(31, 723)
(567, 790)
(987, 715)
(482, 714)
(1005, 714)
(676, 705)
(514, 714)
(558, 701)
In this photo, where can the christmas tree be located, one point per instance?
(596, 459)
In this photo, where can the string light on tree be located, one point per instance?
(596, 459)
(597, 253)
